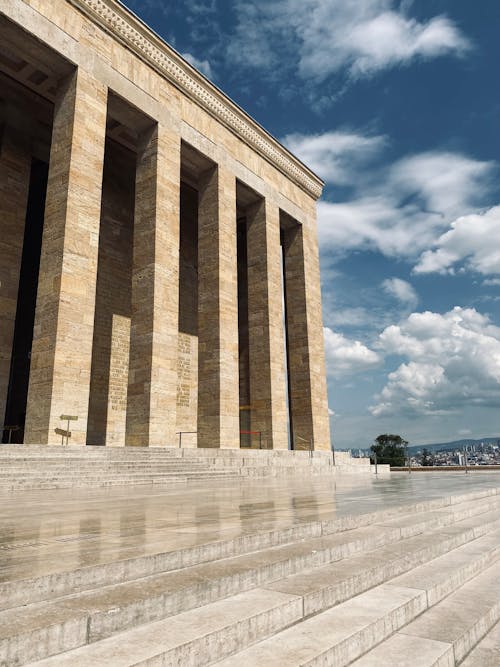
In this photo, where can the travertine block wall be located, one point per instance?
(218, 395)
(152, 389)
(187, 359)
(266, 326)
(306, 361)
(170, 361)
(111, 342)
(64, 323)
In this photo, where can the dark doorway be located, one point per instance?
(291, 442)
(15, 412)
(246, 436)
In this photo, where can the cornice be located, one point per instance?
(117, 20)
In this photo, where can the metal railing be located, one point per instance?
(10, 430)
(259, 433)
(181, 433)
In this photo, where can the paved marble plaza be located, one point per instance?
(44, 532)
(400, 570)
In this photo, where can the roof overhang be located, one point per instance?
(126, 27)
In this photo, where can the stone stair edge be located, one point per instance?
(130, 569)
(479, 562)
(351, 647)
(450, 649)
(102, 450)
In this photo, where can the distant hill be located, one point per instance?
(455, 444)
(436, 447)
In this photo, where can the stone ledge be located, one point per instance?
(122, 24)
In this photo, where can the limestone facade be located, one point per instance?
(177, 299)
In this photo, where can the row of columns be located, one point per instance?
(63, 332)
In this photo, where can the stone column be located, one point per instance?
(64, 319)
(152, 387)
(306, 358)
(265, 326)
(218, 393)
(15, 164)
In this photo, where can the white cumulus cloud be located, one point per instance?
(401, 290)
(470, 240)
(453, 361)
(323, 37)
(403, 209)
(335, 156)
(202, 65)
(345, 356)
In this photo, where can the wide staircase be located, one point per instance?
(49, 467)
(412, 586)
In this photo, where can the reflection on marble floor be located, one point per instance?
(48, 531)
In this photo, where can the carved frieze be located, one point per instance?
(134, 34)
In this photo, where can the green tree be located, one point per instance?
(390, 449)
(427, 458)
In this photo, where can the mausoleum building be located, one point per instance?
(159, 268)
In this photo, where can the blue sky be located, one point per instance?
(396, 105)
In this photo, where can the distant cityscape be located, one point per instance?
(478, 452)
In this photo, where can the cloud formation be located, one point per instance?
(402, 291)
(453, 362)
(469, 242)
(323, 37)
(366, 36)
(345, 356)
(202, 65)
(335, 156)
(403, 208)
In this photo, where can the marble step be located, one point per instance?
(102, 484)
(250, 456)
(73, 465)
(74, 475)
(194, 637)
(445, 634)
(109, 473)
(14, 464)
(104, 471)
(70, 463)
(206, 634)
(476, 516)
(487, 652)
(410, 604)
(44, 629)
(48, 481)
(334, 583)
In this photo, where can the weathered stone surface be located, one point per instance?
(306, 368)
(218, 405)
(152, 389)
(62, 340)
(111, 343)
(126, 333)
(266, 326)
